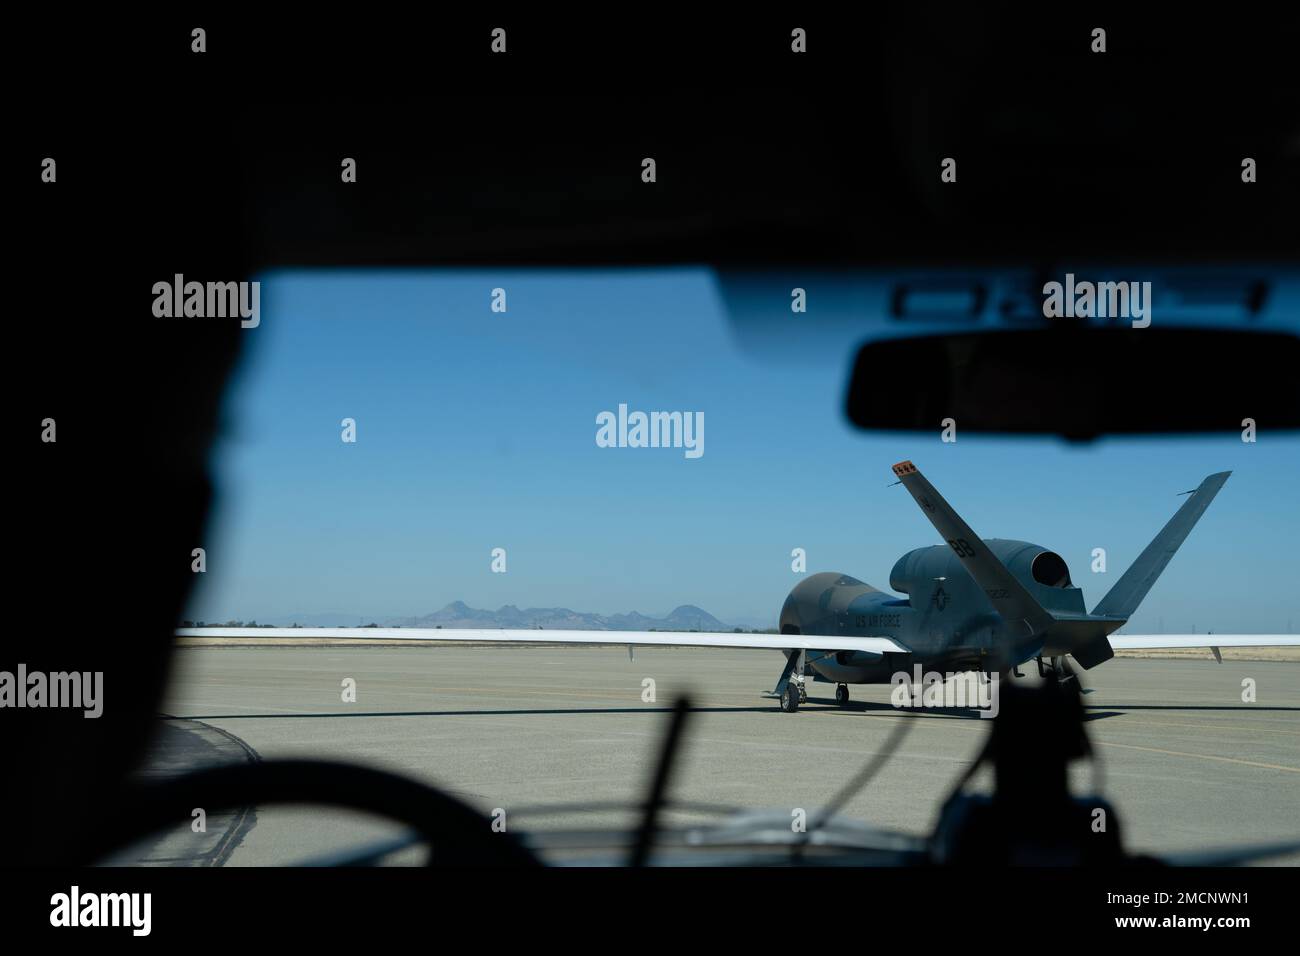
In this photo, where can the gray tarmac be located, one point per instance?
(1186, 762)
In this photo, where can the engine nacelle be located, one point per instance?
(1044, 573)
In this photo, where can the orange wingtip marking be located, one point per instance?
(904, 468)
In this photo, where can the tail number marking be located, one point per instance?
(962, 547)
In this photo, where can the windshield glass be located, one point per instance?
(598, 451)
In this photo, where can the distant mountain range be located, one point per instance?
(458, 614)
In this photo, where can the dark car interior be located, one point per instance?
(767, 165)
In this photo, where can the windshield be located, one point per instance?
(599, 451)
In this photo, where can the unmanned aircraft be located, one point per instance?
(969, 605)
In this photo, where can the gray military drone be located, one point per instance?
(970, 605)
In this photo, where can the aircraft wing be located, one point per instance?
(1143, 642)
(1123, 599)
(783, 642)
(1007, 595)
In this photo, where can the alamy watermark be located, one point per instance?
(76, 908)
(931, 689)
(73, 689)
(1087, 300)
(208, 300)
(651, 430)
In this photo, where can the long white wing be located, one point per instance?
(1142, 642)
(877, 645)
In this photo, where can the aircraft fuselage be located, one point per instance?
(945, 618)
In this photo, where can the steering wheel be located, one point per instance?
(457, 834)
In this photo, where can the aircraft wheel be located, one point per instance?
(842, 695)
(790, 698)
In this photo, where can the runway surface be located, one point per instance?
(1186, 762)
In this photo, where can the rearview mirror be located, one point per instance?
(1079, 382)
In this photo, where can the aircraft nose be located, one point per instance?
(790, 621)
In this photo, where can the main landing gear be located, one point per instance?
(842, 694)
(793, 695)
(1055, 665)
(789, 688)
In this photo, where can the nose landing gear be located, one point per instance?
(842, 694)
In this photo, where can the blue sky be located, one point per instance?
(476, 430)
